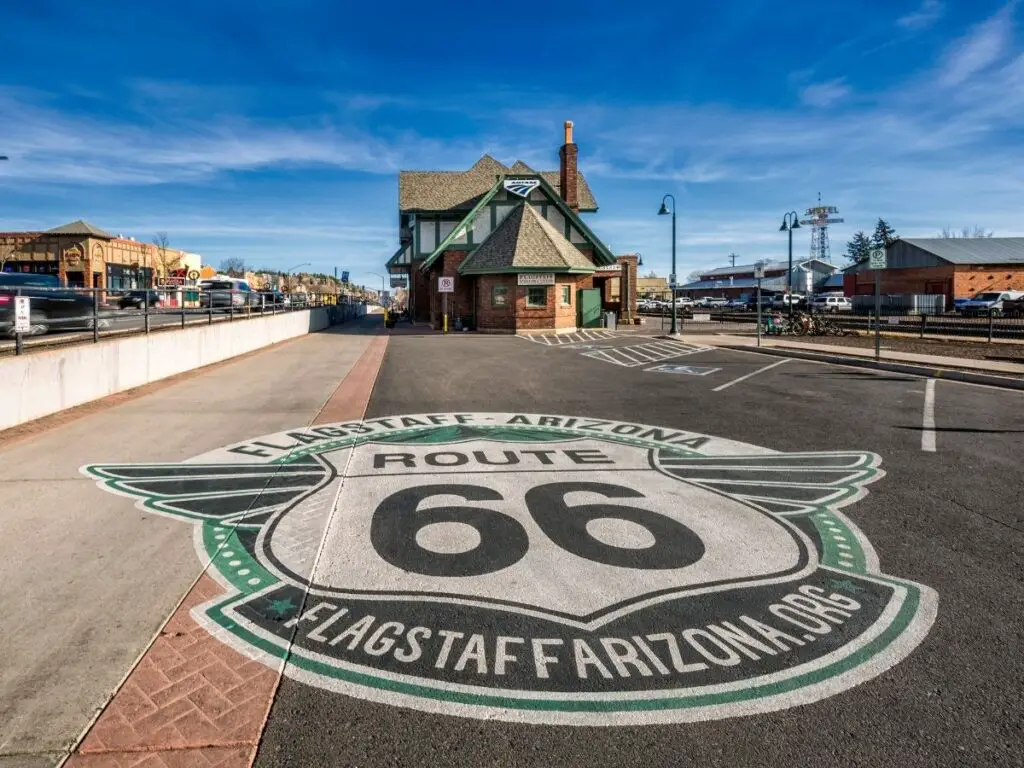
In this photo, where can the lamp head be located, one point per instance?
(663, 211)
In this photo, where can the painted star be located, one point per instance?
(846, 585)
(281, 607)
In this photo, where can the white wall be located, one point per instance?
(41, 383)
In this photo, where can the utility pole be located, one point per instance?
(732, 258)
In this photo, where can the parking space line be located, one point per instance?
(928, 418)
(752, 373)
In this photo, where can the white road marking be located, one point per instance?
(752, 373)
(928, 420)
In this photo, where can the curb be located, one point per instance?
(968, 377)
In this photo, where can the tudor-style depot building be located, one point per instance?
(512, 247)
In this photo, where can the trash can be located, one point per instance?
(609, 320)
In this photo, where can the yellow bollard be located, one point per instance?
(445, 324)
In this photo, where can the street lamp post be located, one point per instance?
(664, 211)
(790, 222)
(383, 289)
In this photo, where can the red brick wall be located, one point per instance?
(567, 177)
(969, 280)
(565, 314)
(420, 294)
(627, 288)
(489, 318)
(534, 318)
(931, 280)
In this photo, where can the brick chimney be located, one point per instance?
(567, 170)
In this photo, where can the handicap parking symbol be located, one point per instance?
(688, 370)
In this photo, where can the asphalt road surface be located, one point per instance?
(611, 553)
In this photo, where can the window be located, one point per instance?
(446, 229)
(481, 226)
(428, 236)
(537, 296)
(499, 297)
(566, 295)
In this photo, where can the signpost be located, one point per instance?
(22, 320)
(759, 276)
(445, 285)
(876, 260)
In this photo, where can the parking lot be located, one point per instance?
(707, 557)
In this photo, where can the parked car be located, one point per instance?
(958, 304)
(51, 306)
(227, 293)
(783, 300)
(275, 297)
(139, 299)
(989, 302)
(1013, 307)
(737, 304)
(832, 304)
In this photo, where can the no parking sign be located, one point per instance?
(446, 285)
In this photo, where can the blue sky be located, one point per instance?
(275, 130)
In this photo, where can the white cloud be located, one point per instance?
(825, 94)
(985, 44)
(924, 16)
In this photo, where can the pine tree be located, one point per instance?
(884, 235)
(859, 247)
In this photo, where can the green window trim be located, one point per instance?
(499, 296)
(537, 290)
(566, 295)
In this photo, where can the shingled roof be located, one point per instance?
(80, 227)
(453, 190)
(525, 241)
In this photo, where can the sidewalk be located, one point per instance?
(87, 582)
(992, 367)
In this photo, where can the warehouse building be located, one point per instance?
(952, 267)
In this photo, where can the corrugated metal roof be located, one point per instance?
(973, 250)
(768, 284)
(771, 266)
(747, 268)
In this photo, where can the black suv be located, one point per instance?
(51, 306)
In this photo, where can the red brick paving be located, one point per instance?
(192, 701)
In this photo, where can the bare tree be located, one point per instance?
(166, 259)
(694, 276)
(965, 233)
(234, 266)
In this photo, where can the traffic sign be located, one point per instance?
(672, 280)
(22, 315)
(446, 285)
(193, 274)
(759, 271)
(877, 258)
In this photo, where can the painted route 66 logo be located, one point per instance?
(544, 569)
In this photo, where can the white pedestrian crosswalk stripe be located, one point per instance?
(583, 336)
(645, 354)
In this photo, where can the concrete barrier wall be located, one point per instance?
(42, 383)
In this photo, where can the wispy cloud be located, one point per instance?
(985, 44)
(825, 94)
(923, 17)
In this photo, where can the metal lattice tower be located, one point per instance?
(819, 218)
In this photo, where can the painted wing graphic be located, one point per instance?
(782, 483)
(235, 493)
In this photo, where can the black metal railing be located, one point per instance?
(991, 324)
(60, 316)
